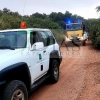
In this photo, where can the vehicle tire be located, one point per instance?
(15, 90)
(84, 43)
(54, 71)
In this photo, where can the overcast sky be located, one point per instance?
(84, 8)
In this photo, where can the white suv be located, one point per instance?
(27, 58)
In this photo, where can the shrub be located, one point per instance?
(95, 32)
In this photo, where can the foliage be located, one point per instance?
(54, 21)
(98, 8)
(94, 31)
(9, 19)
(59, 34)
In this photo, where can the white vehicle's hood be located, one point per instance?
(9, 57)
(7, 53)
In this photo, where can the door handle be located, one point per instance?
(44, 51)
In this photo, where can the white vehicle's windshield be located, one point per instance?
(13, 39)
(72, 27)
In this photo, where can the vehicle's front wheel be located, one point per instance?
(84, 43)
(15, 90)
(54, 71)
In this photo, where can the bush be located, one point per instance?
(95, 32)
(59, 35)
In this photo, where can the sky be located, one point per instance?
(84, 8)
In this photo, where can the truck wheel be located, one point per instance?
(54, 71)
(15, 90)
(84, 43)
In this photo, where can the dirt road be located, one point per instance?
(79, 77)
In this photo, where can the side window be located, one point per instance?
(51, 38)
(33, 38)
(48, 38)
(44, 38)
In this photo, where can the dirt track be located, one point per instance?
(79, 77)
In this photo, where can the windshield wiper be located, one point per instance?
(6, 47)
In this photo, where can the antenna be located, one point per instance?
(23, 10)
(24, 7)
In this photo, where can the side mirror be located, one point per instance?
(37, 45)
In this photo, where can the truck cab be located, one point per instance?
(75, 33)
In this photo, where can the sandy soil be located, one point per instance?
(79, 76)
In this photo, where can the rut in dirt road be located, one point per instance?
(79, 78)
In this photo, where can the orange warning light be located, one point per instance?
(23, 25)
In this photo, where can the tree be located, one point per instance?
(98, 8)
(5, 10)
(38, 15)
(9, 19)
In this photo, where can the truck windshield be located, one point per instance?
(13, 39)
(72, 27)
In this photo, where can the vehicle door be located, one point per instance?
(36, 58)
(49, 46)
